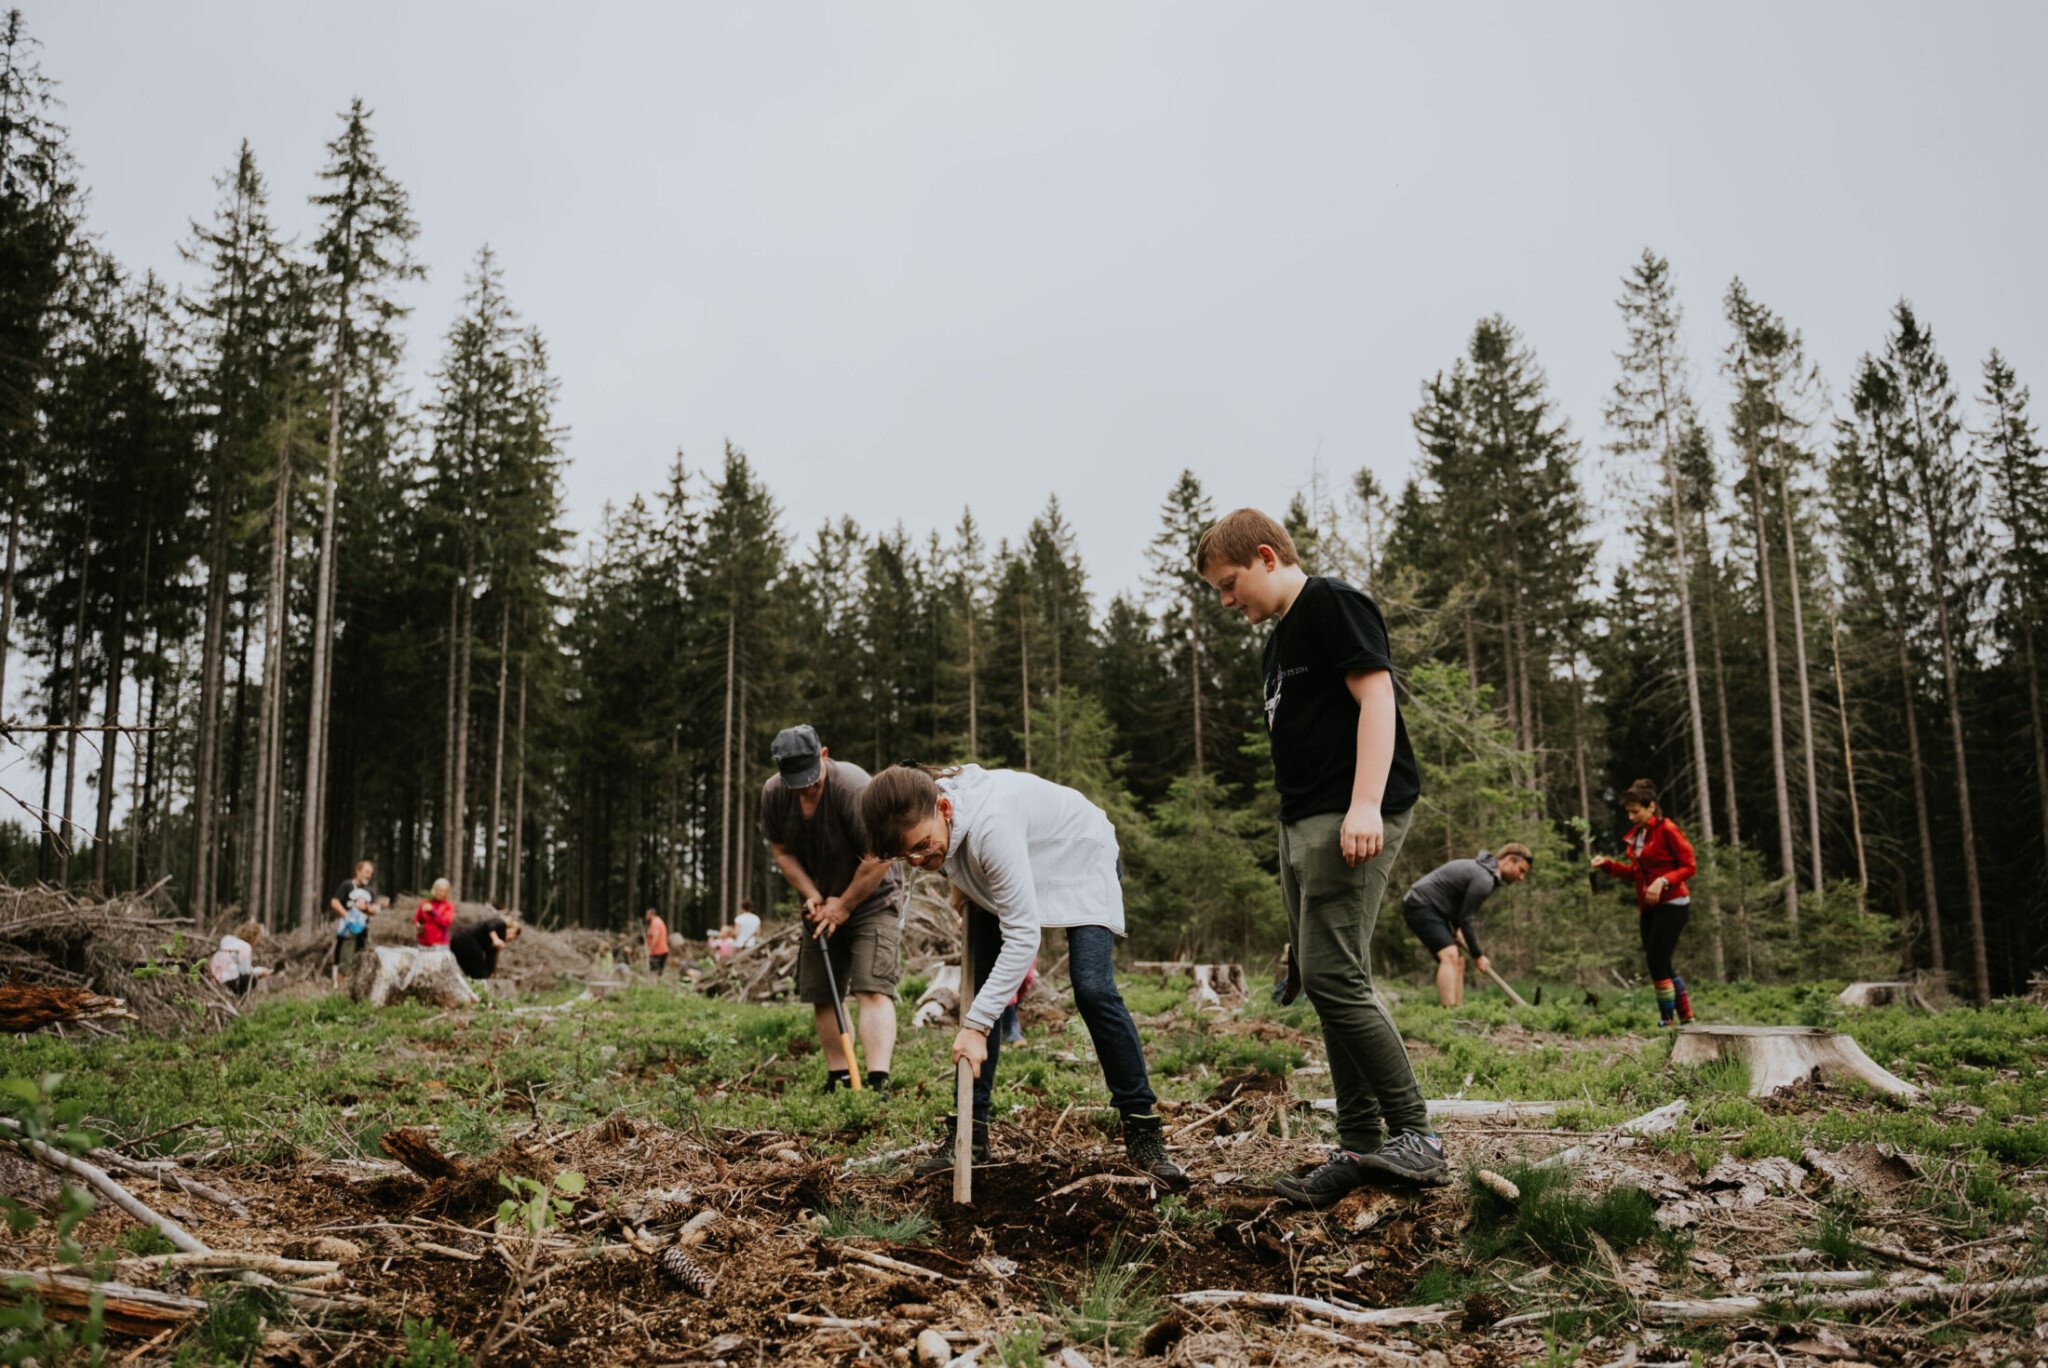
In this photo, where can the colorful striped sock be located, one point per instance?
(1667, 1001)
(1684, 1000)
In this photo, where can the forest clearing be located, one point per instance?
(369, 1163)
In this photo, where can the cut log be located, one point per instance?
(28, 1007)
(939, 1004)
(1655, 1122)
(1883, 995)
(1779, 1057)
(410, 973)
(140, 1311)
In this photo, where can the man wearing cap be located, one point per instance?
(1443, 906)
(810, 817)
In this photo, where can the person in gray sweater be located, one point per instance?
(1444, 905)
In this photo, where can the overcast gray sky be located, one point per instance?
(915, 257)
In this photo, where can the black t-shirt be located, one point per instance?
(473, 950)
(1331, 631)
(343, 892)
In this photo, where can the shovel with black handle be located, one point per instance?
(839, 1015)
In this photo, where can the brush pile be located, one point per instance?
(537, 962)
(766, 970)
(66, 959)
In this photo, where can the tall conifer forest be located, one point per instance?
(267, 608)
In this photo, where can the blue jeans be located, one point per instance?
(1092, 967)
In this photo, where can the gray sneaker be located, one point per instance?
(1412, 1157)
(1331, 1181)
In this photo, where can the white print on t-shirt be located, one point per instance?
(1273, 692)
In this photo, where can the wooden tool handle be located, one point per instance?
(963, 1132)
(1504, 987)
(852, 1064)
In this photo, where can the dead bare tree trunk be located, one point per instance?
(1024, 659)
(1788, 856)
(1971, 881)
(974, 699)
(1848, 756)
(518, 794)
(71, 707)
(205, 763)
(744, 833)
(7, 593)
(459, 853)
(449, 817)
(2040, 735)
(1929, 889)
(313, 812)
(725, 774)
(1195, 673)
(498, 759)
(1815, 859)
(116, 648)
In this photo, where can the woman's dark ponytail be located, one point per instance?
(896, 799)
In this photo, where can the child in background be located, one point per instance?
(234, 964)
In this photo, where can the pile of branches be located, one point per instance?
(538, 961)
(766, 970)
(65, 958)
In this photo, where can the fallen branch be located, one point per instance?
(836, 1322)
(1434, 1314)
(895, 1265)
(1655, 1122)
(121, 1197)
(126, 1310)
(1862, 1299)
(1206, 1117)
(1103, 1180)
(168, 1174)
(227, 1259)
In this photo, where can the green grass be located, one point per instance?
(1553, 1219)
(862, 1222)
(1116, 1301)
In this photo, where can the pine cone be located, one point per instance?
(685, 1272)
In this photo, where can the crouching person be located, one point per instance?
(1029, 854)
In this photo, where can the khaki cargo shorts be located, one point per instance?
(867, 957)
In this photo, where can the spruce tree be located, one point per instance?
(364, 252)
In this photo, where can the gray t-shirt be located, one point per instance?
(1454, 892)
(830, 844)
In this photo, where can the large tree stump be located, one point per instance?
(400, 973)
(1779, 1057)
(1883, 995)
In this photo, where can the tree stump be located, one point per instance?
(1883, 995)
(398, 973)
(1780, 1056)
(1218, 984)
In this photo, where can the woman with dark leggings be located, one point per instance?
(1660, 860)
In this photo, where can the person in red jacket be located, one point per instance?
(1660, 860)
(436, 916)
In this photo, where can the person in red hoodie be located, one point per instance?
(436, 916)
(1660, 860)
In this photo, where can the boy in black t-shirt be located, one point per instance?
(1348, 785)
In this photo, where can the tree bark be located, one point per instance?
(1788, 856)
(498, 759)
(2040, 734)
(518, 797)
(205, 767)
(1848, 757)
(1979, 961)
(7, 596)
(315, 780)
(1024, 663)
(46, 848)
(442, 832)
(116, 648)
(459, 855)
(725, 773)
(1815, 857)
(1929, 889)
(71, 706)
(1195, 673)
(974, 698)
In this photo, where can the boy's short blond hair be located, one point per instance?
(1235, 539)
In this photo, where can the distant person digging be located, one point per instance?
(1443, 908)
(476, 947)
(434, 920)
(234, 964)
(657, 942)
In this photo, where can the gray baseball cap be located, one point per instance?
(795, 752)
